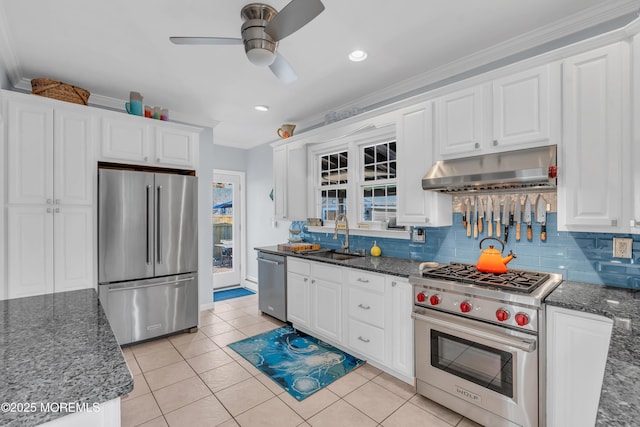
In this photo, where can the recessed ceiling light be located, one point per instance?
(262, 107)
(358, 55)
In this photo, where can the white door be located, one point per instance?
(226, 225)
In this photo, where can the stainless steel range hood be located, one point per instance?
(521, 170)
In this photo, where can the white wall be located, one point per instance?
(229, 158)
(260, 227)
(205, 243)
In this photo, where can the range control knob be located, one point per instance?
(465, 306)
(434, 300)
(522, 319)
(502, 315)
(421, 297)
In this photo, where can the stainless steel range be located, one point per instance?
(478, 337)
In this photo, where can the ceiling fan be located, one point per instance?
(261, 31)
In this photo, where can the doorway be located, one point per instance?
(226, 220)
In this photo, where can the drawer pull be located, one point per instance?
(361, 280)
(364, 339)
(364, 307)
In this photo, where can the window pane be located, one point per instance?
(333, 161)
(325, 163)
(392, 170)
(381, 172)
(381, 153)
(369, 155)
(392, 150)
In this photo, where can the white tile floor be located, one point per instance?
(196, 380)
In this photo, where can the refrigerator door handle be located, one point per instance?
(173, 282)
(158, 226)
(148, 224)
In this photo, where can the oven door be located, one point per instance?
(485, 372)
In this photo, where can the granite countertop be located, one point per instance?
(620, 396)
(383, 264)
(55, 349)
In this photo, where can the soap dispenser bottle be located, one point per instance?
(375, 249)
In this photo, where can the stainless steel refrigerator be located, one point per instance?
(147, 252)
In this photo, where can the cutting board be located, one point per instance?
(298, 247)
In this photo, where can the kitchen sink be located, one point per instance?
(334, 254)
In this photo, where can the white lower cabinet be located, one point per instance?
(364, 313)
(401, 301)
(577, 347)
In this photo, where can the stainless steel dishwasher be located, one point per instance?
(272, 285)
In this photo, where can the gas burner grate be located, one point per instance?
(514, 280)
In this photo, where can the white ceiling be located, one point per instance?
(115, 46)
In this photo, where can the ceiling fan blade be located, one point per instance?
(204, 40)
(292, 17)
(283, 70)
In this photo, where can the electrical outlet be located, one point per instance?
(418, 235)
(622, 247)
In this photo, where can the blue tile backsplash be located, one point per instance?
(584, 257)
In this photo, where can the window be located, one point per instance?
(333, 184)
(378, 182)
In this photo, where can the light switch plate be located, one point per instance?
(418, 235)
(622, 247)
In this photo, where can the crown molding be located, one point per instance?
(584, 20)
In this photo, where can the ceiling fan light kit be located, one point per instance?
(261, 31)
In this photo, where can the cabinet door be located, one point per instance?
(296, 183)
(401, 326)
(280, 182)
(590, 185)
(30, 254)
(521, 108)
(577, 346)
(29, 153)
(327, 311)
(459, 123)
(73, 165)
(175, 147)
(415, 156)
(125, 139)
(74, 250)
(298, 302)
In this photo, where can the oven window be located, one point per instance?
(483, 365)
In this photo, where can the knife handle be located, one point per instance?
(468, 228)
(529, 232)
(480, 221)
(489, 227)
(475, 229)
(517, 231)
(543, 233)
(498, 228)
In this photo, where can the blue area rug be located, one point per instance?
(297, 362)
(231, 293)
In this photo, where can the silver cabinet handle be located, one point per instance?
(393, 284)
(614, 222)
(495, 142)
(158, 226)
(364, 339)
(57, 201)
(476, 145)
(306, 279)
(48, 210)
(57, 210)
(145, 158)
(313, 280)
(49, 201)
(361, 280)
(364, 307)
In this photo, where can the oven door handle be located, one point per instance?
(520, 344)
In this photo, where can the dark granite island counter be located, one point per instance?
(620, 395)
(58, 356)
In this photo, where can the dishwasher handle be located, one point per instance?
(268, 261)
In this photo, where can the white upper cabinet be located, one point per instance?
(29, 152)
(521, 110)
(143, 141)
(591, 164)
(526, 107)
(460, 122)
(290, 182)
(414, 151)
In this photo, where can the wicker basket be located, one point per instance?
(61, 91)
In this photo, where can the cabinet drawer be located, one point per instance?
(366, 306)
(326, 272)
(366, 339)
(296, 266)
(371, 281)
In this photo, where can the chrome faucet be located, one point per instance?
(341, 222)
